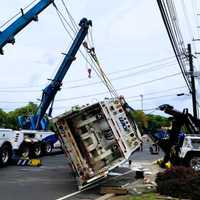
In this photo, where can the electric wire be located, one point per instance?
(157, 97)
(146, 65)
(94, 83)
(14, 16)
(92, 95)
(129, 99)
(119, 89)
(177, 51)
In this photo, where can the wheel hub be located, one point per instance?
(48, 148)
(37, 150)
(195, 163)
(5, 156)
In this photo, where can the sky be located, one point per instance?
(131, 43)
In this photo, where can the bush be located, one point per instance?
(180, 182)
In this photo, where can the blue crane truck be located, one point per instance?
(35, 139)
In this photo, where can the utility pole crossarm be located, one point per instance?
(7, 35)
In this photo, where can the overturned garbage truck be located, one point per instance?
(97, 138)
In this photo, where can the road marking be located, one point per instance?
(69, 195)
(77, 192)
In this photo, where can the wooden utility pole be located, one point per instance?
(194, 102)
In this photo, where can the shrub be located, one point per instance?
(181, 182)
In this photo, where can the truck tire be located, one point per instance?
(194, 163)
(48, 147)
(192, 160)
(37, 149)
(24, 150)
(5, 155)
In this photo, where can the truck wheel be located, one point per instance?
(25, 150)
(5, 155)
(48, 147)
(194, 163)
(37, 150)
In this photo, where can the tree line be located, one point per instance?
(146, 122)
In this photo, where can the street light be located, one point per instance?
(182, 94)
(142, 101)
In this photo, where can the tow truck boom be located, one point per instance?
(50, 91)
(7, 36)
(182, 141)
(182, 118)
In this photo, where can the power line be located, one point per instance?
(128, 98)
(157, 97)
(145, 99)
(171, 63)
(96, 94)
(158, 92)
(114, 79)
(9, 20)
(124, 88)
(127, 87)
(170, 20)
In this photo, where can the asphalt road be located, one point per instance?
(54, 179)
(50, 181)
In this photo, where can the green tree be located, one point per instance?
(3, 119)
(141, 119)
(11, 117)
(149, 123)
(155, 122)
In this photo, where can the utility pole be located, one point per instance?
(194, 103)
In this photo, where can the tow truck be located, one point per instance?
(19, 142)
(37, 123)
(181, 144)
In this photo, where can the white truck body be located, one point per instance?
(25, 143)
(190, 143)
(15, 138)
(97, 138)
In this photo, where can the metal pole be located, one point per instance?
(194, 103)
(141, 101)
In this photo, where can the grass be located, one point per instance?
(148, 196)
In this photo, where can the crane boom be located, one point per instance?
(7, 35)
(50, 91)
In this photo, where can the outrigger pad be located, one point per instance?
(29, 162)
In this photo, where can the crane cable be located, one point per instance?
(73, 22)
(93, 55)
(96, 66)
(106, 80)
